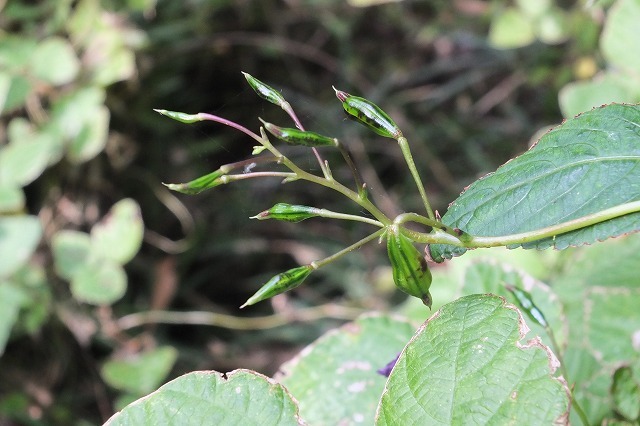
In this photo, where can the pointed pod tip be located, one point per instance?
(342, 96)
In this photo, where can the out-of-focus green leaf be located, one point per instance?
(210, 398)
(619, 40)
(335, 379)
(491, 278)
(533, 9)
(626, 393)
(588, 164)
(19, 237)
(551, 27)
(119, 61)
(16, 51)
(11, 199)
(600, 289)
(142, 373)
(71, 251)
(21, 162)
(91, 140)
(118, 235)
(466, 365)
(55, 61)
(511, 29)
(82, 120)
(32, 280)
(13, 91)
(607, 88)
(11, 300)
(100, 282)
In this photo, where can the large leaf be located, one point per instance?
(588, 164)
(467, 365)
(335, 378)
(210, 398)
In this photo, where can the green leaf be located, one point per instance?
(511, 29)
(100, 282)
(599, 289)
(335, 379)
(12, 298)
(19, 237)
(582, 96)
(551, 27)
(70, 251)
(11, 199)
(619, 40)
(467, 365)
(92, 138)
(140, 374)
(23, 161)
(54, 61)
(485, 277)
(118, 236)
(626, 393)
(588, 164)
(82, 120)
(241, 397)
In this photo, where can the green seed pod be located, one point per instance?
(198, 185)
(265, 91)
(299, 137)
(280, 283)
(525, 301)
(369, 114)
(410, 270)
(180, 116)
(288, 213)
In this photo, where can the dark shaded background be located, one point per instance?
(464, 106)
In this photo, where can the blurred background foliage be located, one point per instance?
(90, 241)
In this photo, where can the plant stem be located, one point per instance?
(414, 217)
(326, 182)
(561, 228)
(406, 152)
(238, 323)
(211, 117)
(440, 237)
(343, 216)
(286, 106)
(298, 173)
(233, 178)
(356, 175)
(319, 263)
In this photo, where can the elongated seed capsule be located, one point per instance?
(198, 185)
(180, 116)
(280, 283)
(526, 304)
(299, 137)
(369, 114)
(288, 213)
(410, 270)
(265, 91)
